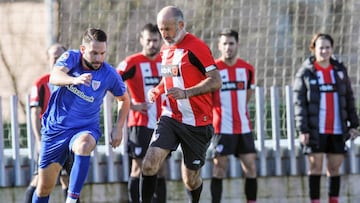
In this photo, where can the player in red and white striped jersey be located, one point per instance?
(189, 78)
(325, 114)
(233, 131)
(141, 72)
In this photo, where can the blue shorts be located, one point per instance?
(55, 148)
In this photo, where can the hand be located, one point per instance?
(84, 79)
(141, 107)
(176, 93)
(354, 133)
(153, 94)
(304, 138)
(116, 137)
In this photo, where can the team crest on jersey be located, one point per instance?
(95, 84)
(341, 75)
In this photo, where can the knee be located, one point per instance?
(44, 190)
(192, 182)
(84, 145)
(149, 167)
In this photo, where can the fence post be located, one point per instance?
(260, 131)
(15, 140)
(31, 145)
(354, 168)
(2, 157)
(290, 129)
(275, 123)
(107, 131)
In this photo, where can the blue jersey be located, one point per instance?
(78, 106)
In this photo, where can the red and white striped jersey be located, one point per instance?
(40, 93)
(230, 110)
(140, 75)
(329, 113)
(191, 59)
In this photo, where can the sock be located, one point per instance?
(29, 194)
(37, 199)
(78, 176)
(334, 189)
(314, 187)
(133, 190)
(251, 201)
(147, 188)
(315, 201)
(160, 192)
(194, 195)
(216, 189)
(251, 189)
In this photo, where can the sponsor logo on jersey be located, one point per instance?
(170, 70)
(226, 86)
(327, 88)
(79, 93)
(152, 81)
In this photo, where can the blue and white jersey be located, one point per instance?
(78, 106)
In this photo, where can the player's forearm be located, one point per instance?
(123, 109)
(60, 78)
(210, 84)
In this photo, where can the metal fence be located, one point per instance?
(278, 154)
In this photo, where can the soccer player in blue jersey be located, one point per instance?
(71, 123)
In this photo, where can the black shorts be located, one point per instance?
(329, 143)
(194, 140)
(138, 142)
(236, 144)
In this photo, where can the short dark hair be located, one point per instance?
(229, 33)
(316, 37)
(152, 28)
(94, 34)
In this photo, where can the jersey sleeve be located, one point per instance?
(68, 59)
(204, 55)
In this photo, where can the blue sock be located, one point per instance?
(78, 175)
(37, 199)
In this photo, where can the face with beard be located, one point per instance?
(228, 48)
(150, 42)
(172, 30)
(93, 54)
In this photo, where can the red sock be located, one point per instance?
(333, 199)
(251, 201)
(315, 201)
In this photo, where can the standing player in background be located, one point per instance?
(39, 98)
(325, 114)
(71, 123)
(141, 72)
(232, 125)
(189, 78)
